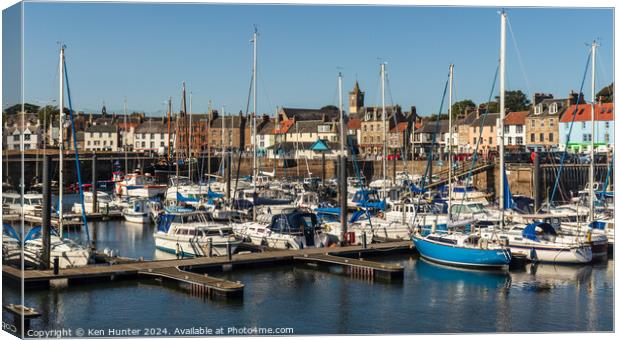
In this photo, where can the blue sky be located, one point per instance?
(145, 51)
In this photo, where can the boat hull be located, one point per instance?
(195, 248)
(462, 256)
(568, 255)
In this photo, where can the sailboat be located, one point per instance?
(459, 248)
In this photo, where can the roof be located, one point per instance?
(400, 127)
(602, 112)
(101, 128)
(266, 127)
(354, 124)
(309, 114)
(516, 118)
(154, 126)
(489, 119)
(431, 127)
(470, 118)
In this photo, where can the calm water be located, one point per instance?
(430, 299)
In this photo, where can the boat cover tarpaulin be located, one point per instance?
(530, 231)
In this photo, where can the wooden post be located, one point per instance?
(46, 213)
(537, 184)
(323, 159)
(228, 251)
(210, 247)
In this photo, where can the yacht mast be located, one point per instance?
(450, 143)
(342, 130)
(254, 169)
(502, 113)
(223, 144)
(383, 117)
(189, 154)
(594, 46)
(125, 133)
(61, 137)
(168, 138)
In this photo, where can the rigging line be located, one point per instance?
(430, 156)
(77, 159)
(603, 70)
(519, 58)
(570, 130)
(475, 153)
(247, 108)
(266, 92)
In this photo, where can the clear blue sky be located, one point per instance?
(145, 51)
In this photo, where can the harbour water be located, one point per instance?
(430, 299)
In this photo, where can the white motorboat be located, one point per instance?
(137, 212)
(185, 232)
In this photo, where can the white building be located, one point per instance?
(26, 126)
(101, 138)
(514, 130)
(152, 135)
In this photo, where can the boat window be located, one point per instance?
(192, 232)
(441, 240)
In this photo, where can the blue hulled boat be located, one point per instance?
(458, 249)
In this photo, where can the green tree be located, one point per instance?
(606, 94)
(329, 108)
(515, 101)
(46, 115)
(460, 107)
(493, 107)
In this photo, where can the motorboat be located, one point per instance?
(187, 232)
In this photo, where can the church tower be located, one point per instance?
(356, 99)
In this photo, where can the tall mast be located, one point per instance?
(450, 143)
(254, 169)
(384, 118)
(594, 45)
(502, 113)
(125, 133)
(61, 137)
(189, 141)
(342, 130)
(209, 118)
(169, 114)
(223, 138)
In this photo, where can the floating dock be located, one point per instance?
(203, 286)
(357, 267)
(220, 262)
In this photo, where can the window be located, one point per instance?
(26, 146)
(606, 138)
(538, 109)
(583, 125)
(88, 143)
(519, 140)
(551, 137)
(152, 144)
(27, 136)
(509, 140)
(542, 123)
(506, 128)
(542, 137)
(105, 142)
(491, 128)
(551, 122)
(490, 140)
(587, 137)
(161, 136)
(519, 128)
(474, 141)
(143, 144)
(533, 123)
(607, 125)
(532, 138)
(553, 108)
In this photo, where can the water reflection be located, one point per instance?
(543, 277)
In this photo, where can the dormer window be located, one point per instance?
(538, 109)
(553, 108)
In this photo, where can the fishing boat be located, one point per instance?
(138, 185)
(137, 212)
(187, 232)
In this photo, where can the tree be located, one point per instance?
(11, 110)
(461, 107)
(493, 107)
(46, 114)
(515, 101)
(328, 108)
(606, 94)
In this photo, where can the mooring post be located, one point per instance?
(228, 251)
(323, 165)
(210, 247)
(343, 198)
(46, 213)
(94, 184)
(56, 265)
(364, 240)
(537, 184)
